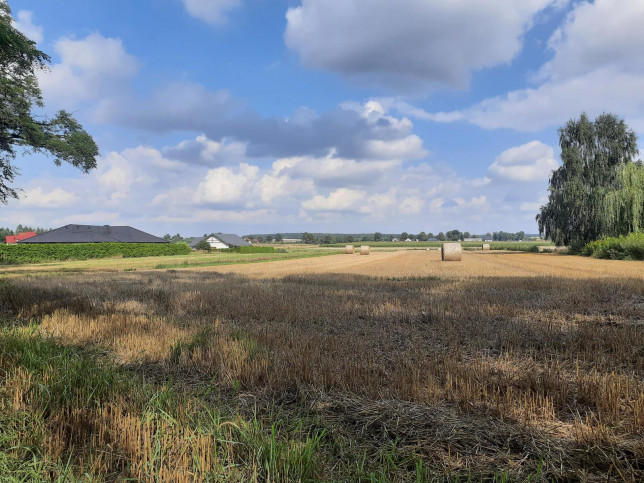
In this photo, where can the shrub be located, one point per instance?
(203, 245)
(629, 247)
(45, 252)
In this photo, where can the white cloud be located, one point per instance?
(530, 162)
(411, 205)
(210, 11)
(89, 68)
(598, 66)
(342, 199)
(24, 22)
(225, 185)
(410, 44)
(56, 198)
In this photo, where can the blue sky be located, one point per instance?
(260, 116)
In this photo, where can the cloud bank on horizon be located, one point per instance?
(326, 115)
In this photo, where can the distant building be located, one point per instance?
(221, 240)
(476, 239)
(13, 239)
(94, 234)
(432, 239)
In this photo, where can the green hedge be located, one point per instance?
(46, 252)
(629, 247)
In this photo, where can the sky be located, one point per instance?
(343, 116)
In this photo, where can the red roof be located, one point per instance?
(9, 239)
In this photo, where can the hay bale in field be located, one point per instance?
(486, 246)
(364, 250)
(451, 252)
(349, 249)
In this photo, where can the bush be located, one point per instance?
(46, 252)
(203, 245)
(629, 247)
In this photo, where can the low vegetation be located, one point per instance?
(183, 375)
(45, 252)
(629, 247)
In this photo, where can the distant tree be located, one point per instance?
(203, 245)
(62, 137)
(260, 239)
(308, 238)
(466, 234)
(377, 236)
(521, 235)
(350, 239)
(365, 238)
(176, 239)
(441, 236)
(454, 235)
(430, 235)
(488, 235)
(328, 239)
(167, 237)
(404, 235)
(278, 238)
(422, 236)
(592, 192)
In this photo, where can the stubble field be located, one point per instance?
(388, 367)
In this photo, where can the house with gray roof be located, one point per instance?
(94, 234)
(221, 240)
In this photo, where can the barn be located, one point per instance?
(94, 234)
(221, 240)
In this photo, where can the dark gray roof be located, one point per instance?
(95, 234)
(229, 239)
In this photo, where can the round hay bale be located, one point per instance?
(486, 246)
(364, 250)
(349, 249)
(451, 252)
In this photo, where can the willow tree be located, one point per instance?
(20, 129)
(596, 190)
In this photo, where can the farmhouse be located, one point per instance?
(221, 240)
(94, 234)
(13, 239)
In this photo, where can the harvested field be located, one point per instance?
(392, 367)
(421, 263)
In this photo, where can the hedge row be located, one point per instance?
(47, 252)
(629, 247)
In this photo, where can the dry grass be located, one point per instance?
(500, 366)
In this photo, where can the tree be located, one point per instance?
(260, 239)
(404, 235)
(422, 236)
(350, 239)
(590, 192)
(278, 238)
(62, 137)
(430, 235)
(203, 245)
(308, 238)
(328, 239)
(440, 236)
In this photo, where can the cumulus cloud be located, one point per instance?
(413, 44)
(598, 65)
(24, 22)
(342, 199)
(530, 162)
(225, 185)
(89, 69)
(56, 198)
(213, 12)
